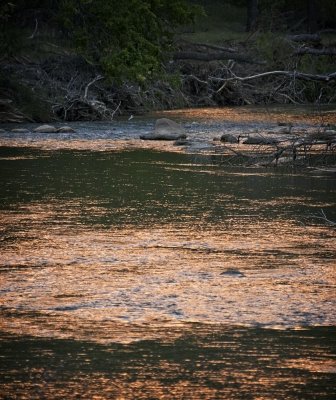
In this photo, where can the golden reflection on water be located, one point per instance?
(64, 280)
(102, 145)
(255, 114)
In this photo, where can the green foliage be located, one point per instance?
(275, 50)
(316, 65)
(126, 38)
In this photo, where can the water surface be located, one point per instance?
(132, 272)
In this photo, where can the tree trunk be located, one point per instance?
(252, 15)
(312, 10)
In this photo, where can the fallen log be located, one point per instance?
(305, 37)
(315, 52)
(207, 57)
(212, 47)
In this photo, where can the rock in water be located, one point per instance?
(165, 126)
(166, 129)
(45, 129)
(65, 129)
(233, 272)
(20, 130)
(228, 138)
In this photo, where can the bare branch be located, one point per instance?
(97, 78)
(35, 30)
(323, 216)
(290, 74)
(115, 110)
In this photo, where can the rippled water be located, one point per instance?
(132, 271)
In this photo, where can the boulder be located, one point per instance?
(160, 136)
(65, 129)
(229, 138)
(281, 130)
(166, 129)
(168, 126)
(45, 129)
(20, 130)
(233, 272)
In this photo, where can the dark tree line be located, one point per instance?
(313, 14)
(127, 39)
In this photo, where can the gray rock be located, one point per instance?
(282, 130)
(45, 129)
(20, 130)
(234, 272)
(65, 129)
(163, 136)
(260, 140)
(182, 142)
(229, 138)
(166, 129)
(164, 126)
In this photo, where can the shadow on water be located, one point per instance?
(207, 362)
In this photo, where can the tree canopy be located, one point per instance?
(126, 38)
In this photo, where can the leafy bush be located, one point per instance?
(126, 38)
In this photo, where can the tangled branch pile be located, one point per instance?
(275, 70)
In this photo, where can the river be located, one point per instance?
(136, 270)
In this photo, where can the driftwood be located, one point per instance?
(77, 107)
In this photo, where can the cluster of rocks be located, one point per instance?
(166, 129)
(43, 129)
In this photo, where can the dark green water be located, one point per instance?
(143, 275)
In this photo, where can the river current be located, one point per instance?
(139, 270)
